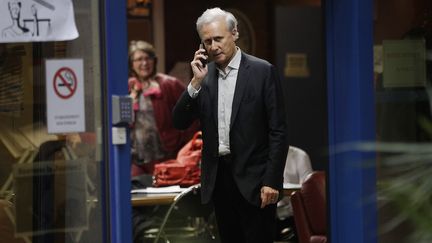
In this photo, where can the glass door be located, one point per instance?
(51, 171)
(402, 86)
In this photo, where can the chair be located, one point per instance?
(188, 204)
(297, 167)
(309, 206)
(7, 228)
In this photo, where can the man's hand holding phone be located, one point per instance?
(199, 66)
(203, 60)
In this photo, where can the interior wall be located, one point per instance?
(305, 88)
(140, 29)
(394, 18)
(181, 37)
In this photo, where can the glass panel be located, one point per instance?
(403, 68)
(51, 183)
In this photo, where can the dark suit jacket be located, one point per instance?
(257, 132)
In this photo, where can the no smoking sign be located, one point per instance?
(65, 95)
(65, 83)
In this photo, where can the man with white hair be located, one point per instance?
(238, 100)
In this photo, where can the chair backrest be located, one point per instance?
(187, 203)
(313, 193)
(309, 207)
(190, 204)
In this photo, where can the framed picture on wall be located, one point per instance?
(139, 8)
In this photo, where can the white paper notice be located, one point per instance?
(65, 96)
(37, 20)
(156, 190)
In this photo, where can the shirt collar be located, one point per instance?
(235, 61)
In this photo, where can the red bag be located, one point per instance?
(191, 152)
(185, 170)
(171, 173)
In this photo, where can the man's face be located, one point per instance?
(219, 42)
(14, 8)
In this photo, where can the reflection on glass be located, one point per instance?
(402, 77)
(50, 184)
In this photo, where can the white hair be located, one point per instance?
(213, 14)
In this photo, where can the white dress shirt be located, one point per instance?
(227, 80)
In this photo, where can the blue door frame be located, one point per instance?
(119, 222)
(351, 114)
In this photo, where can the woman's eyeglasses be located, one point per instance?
(143, 59)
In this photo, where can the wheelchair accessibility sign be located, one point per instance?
(65, 95)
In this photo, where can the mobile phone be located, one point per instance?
(203, 61)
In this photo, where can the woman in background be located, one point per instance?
(154, 139)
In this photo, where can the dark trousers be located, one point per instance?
(238, 220)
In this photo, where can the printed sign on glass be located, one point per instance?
(36, 20)
(65, 95)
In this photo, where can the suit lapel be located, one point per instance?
(242, 80)
(213, 90)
